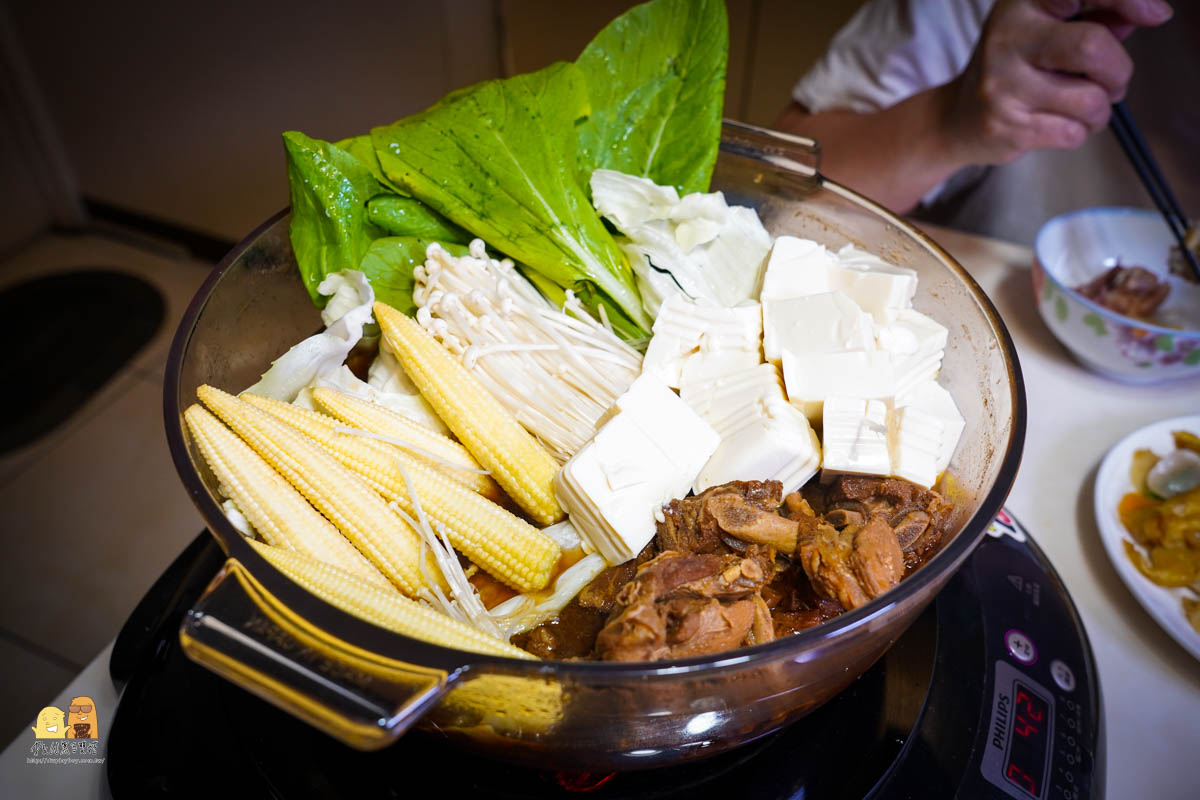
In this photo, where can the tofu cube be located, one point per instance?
(648, 452)
(777, 443)
(829, 322)
(855, 437)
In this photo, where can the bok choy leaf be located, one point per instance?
(345, 215)
(656, 80)
(329, 190)
(498, 159)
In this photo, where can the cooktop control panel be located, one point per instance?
(1041, 721)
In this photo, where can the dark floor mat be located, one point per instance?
(67, 335)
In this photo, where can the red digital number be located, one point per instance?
(1024, 727)
(1035, 715)
(1018, 776)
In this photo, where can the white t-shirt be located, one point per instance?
(892, 49)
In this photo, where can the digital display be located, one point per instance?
(1028, 741)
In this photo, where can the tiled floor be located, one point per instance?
(93, 512)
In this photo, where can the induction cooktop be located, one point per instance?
(992, 693)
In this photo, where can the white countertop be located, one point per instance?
(1150, 685)
(20, 774)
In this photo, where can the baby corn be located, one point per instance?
(389, 610)
(515, 459)
(357, 511)
(358, 413)
(504, 545)
(280, 514)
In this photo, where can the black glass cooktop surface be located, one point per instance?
(991, 693)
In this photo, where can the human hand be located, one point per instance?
(1044, 74)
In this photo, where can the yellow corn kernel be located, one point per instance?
(504, 545)
(515, 459)
(365, 415)
(280, 514)
(349, 503)
(347, 592)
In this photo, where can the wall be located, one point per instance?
(174, 110)
(771, 43)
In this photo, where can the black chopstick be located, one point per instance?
(1138, 153)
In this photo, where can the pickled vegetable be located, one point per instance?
(1166, 532)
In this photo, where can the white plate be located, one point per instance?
(1113, 483)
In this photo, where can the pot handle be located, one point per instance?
(798, 154)
(243, 633)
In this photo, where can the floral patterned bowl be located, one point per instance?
(1074, 248)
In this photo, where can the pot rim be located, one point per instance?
(363, 634)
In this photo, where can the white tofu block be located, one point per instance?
(665, 356)
(667, 421)
(684, 327)
(854, 437)
(725, 402)
(777, 445)
(795, 268)
(932, 398)
(801, 267)
(908, 373)
(647, 453)
(880, 288)
(915, 440)
(829, 322)
(810, 378)
(715, 367)
(911, 333)
(735, 328)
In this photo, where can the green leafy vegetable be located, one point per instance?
(345, 217)
(329, 189)
(406, 216)
(510, 160)
(656, 79)
(364, 151)
(498, 159)
(389, 263)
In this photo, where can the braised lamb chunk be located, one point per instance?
(689, 525)
(739, 565)
(738, 518)
(601, 593)
(683, 605)
(853, 565)
(841, 517)
(875, 495)
(697, 626)
(911, 527)
(762, 629)
(918, 515)
(798, 509)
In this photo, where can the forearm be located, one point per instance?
(893, 156)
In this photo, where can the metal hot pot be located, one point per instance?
(367, 686)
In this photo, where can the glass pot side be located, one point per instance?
(253, 307)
